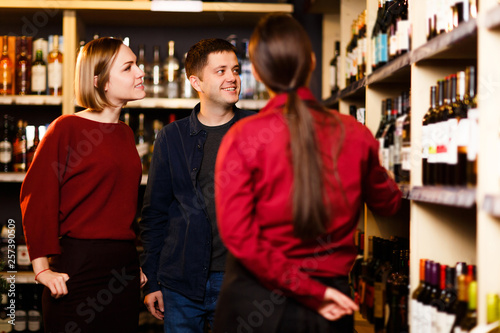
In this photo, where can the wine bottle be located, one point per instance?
(55, 70)
(382, 45)
(362, 40)
(439, 134)
(414, 316)
(459, 308)
(492, 308)
(429, 309)
(447, 299)
(39, 74)
(363, 283)
(157, 88)
(171, 72)
(334, 80)
(406, 156)
(473, 115)
(6, 147)
(426, 140)
(248, 83)
(375, 36)
(403, 29)
(381, 275)
(141, 59)
(6, 68)
(463, 130)
(34, 314)
(392, 293)
(20, 313)
(23, 69)
(398, 137)
(424, 320)
(470, 319)
(32, 150)
(19, 148)
(452, 127)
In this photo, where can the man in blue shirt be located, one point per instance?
(184, 257)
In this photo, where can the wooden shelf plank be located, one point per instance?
(460, 43)
(188, 103)
(397, 70)
(12, 177)
(447, 196)
(31, 100)
(354, 91)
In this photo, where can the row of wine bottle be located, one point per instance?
(450, 132)
(444, 15)
(20, 75)
(23, 304)
(445, 299)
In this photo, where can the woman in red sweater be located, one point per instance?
(290, 183)
(79, 200)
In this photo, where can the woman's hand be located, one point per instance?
(144, 278)
(56, 282)
(336, 305)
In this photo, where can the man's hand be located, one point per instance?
(154, 304)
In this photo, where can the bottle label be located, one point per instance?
(425, 141)
(414, 316)
(55, 74)
(38, 78)
(431, 129)
(393, 48)
(403, 35)
(384, 54)
(473, 135)
(452, 149)
(5, 152)
(406, 158)
(23, 258)
(442, 137)
(34, 320)
(463, 132)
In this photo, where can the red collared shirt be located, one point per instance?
(254, 182)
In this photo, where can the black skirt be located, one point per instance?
(245, 306)
(103, 288)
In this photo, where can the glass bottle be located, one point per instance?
(6, 69)
(19, 147)
(171, 72)
(141, 144)
(23, 69)
(463, 130)
(473, 115)
(39, 74)
(451, 147)
(415, 316)
(6, 147)
(157, 88)
(55, 70)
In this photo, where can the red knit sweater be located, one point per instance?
(83, 183)
(254, 182)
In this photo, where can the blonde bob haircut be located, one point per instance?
(92, 72)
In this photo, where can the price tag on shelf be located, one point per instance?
(176, 6)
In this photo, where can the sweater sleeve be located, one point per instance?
(40, 193)
(381, 193)
(240, 232)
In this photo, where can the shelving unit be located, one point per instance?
(445, 224)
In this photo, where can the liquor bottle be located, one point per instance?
(6, 147)
(470, 319)
(459, 308)
(438, 135)
(19, 148)
(392, 293)
(463, 130)
(473, 115)
(6, 67)
(452, 127)
(428, 310)
(20, 313)
(406, 159)
(442, 16)
(398, 316)
(461, 12)
(392, 38)
(141, 144)
(171, 72)
(443, 133)
(34, 314)
(382, 43)
(39, 74)
(141, 59)
(383, 120)
(157, 126)
(187, 90)
(55, 70)
(398, 136)
(375, 36)
(362, 41)
(388, 137)
(248, 83)
(427, 141)
(372, 267)
(380, 285)
(32, 150)
(157, 88)
(403, 28)
(423, 322)
(334, 80)
(23, 69)
(448, 297)
(414, 316)
(364, 298)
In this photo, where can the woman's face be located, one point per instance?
(125, 78)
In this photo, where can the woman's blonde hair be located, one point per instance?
(95, 60)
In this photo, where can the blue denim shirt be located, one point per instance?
(175, 227)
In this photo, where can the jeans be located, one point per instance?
(184, 315)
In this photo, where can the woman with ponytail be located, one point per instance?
(290, 184)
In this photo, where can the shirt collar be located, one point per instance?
(279, 100)
(195, 125)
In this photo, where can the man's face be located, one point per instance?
(221, 81)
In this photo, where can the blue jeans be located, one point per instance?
(183, 315)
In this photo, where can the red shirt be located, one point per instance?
(83, 183)
(254, 181)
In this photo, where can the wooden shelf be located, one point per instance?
(460, 43)
(31, 100)
(446, 196)
(355, 90)
(491, 205)
(397, 70)
(12, 177)
(24, 277)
